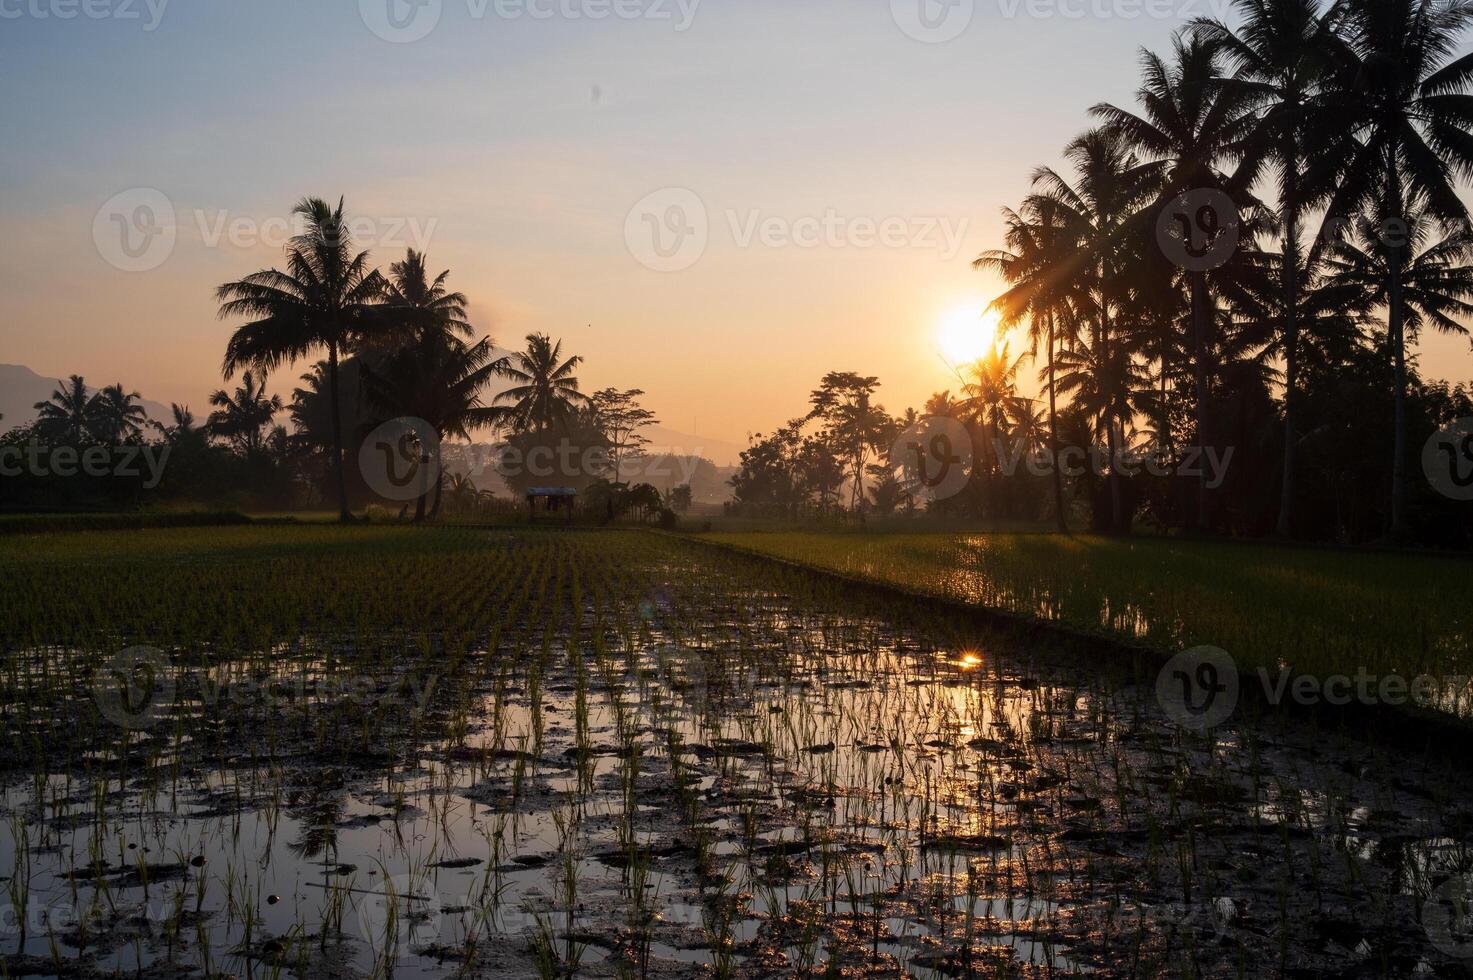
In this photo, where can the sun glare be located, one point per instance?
(967, 334)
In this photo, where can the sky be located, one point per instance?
(717, 201)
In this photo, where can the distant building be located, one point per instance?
(552, 500)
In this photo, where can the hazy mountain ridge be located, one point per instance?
(21, 388)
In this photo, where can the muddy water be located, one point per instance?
(735, 782)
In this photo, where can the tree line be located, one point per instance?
(391, 345)
(1240, 261)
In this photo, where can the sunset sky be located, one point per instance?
(515, 146)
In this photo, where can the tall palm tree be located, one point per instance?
(423, 306)
(1403, 98)
(1036, 247)
(70, 414)
(1278, 57)
(328, 297)
(439, 380)
(546, 390)
(117, 414)
(1188, 126)
(242, 417)
(989, 387)
(1097, 212)
(1431, 275)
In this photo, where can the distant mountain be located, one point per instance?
(672, 443)
(21, 388)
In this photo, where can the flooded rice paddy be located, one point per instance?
(634, 757)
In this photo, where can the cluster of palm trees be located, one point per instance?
(402, 337)
(1337, 132)
(77, 415)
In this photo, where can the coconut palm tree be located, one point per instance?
(117, 414)
(419, 305)
(546, 390)
(1189, 124)
(1096, 212)
(71, 414)
(462, 494)
(1036, 247)
(328, 297)
(989, 389)
(1103, 383)
(183, 430)
(439, 380)
(1402, 97)
(1429, 270)
(241, 418)
(1278, 57)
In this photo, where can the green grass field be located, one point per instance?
(1315, 610)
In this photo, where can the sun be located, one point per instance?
(967, 334)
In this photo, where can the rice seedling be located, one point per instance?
(462, 752)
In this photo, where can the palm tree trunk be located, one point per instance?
(1199, 379)
(1396, 334)
(1117, 507)
(337, 432)
(439, 481)
(1117, 518)
(1397, 329)
(1053, 435)
(1291, 336)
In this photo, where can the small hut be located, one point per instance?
(551, 500)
